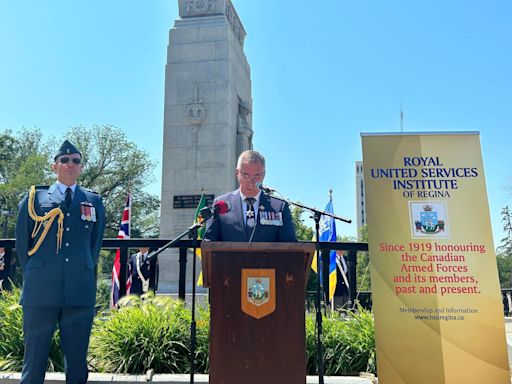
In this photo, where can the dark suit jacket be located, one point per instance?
(230, 226)
(65, 276)
(149, 270)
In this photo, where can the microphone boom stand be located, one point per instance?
(317, 215)
(192, 233)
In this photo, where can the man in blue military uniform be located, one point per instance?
(59, 234)
(249, 214)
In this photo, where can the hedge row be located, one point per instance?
(154, 333)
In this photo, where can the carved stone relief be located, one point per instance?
(195, 111)
(244, 132)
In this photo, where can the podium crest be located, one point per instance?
(258, 292)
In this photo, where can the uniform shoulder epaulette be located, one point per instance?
(89, 190)
(42, 187)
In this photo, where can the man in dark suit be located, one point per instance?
(144, 272)
(59, 233)
(250, 214)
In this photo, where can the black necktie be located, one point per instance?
(68, 197)
(250, 212)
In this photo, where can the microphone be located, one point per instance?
(219, 208)
(206, 212)
(264, 188)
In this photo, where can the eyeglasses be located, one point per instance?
(65, 160)
(257, 176)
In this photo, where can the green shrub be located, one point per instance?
(348, 343)
(103, 294)
(11, 333)
(11, 336)
(202, 356)
(311, 344)
(145, 333)
(153, 332)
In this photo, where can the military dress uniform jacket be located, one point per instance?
(65, 276)
(148, 269)
(145, 269)
(231, 226)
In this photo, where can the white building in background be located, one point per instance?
(360, 197)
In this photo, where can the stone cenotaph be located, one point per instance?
(207, 118)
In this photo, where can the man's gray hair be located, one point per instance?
(250, 157)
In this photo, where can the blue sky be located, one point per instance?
(322, 72)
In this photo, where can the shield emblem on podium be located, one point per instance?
(258, 292)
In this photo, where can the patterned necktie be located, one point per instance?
(68, 197)
(250, 212)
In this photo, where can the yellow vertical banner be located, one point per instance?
(435, 289)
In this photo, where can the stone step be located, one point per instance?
(102, 378)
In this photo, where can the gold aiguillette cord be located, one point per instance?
(45, 221)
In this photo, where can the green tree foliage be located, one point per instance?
(504, 270)
(303, 232)
(113, 165)
(506, 243)
(24, 161)
(504, 251)
(363, 264)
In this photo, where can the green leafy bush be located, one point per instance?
(202, 356)
(146, 333)
(103, 294)
(153, 332)
(348, 343)
(311, 347)
(11, 336)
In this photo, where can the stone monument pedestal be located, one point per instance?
(207, 117)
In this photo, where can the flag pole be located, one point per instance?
(119, 269)
(401, 118)
(319, 347)
(194, 233)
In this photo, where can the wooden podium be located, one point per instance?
(257, 321)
